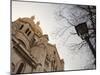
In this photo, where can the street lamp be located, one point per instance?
(82, 31)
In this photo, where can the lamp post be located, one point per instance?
(82, 31)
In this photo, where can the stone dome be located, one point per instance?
(35, 26)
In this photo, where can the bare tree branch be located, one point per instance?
(78, 46)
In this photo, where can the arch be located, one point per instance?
(20, 67)
(27, 30)
(21, 27)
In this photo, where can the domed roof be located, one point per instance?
(35, 26)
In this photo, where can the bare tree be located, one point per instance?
(86, 31)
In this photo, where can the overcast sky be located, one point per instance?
(49, 22)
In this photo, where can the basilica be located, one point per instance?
(30, 50)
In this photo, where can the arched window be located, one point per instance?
(20, 67)
(28, 32)
(21, 27)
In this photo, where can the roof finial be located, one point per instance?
(32, 17)
(38, 23)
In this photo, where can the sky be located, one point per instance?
(51, 23)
